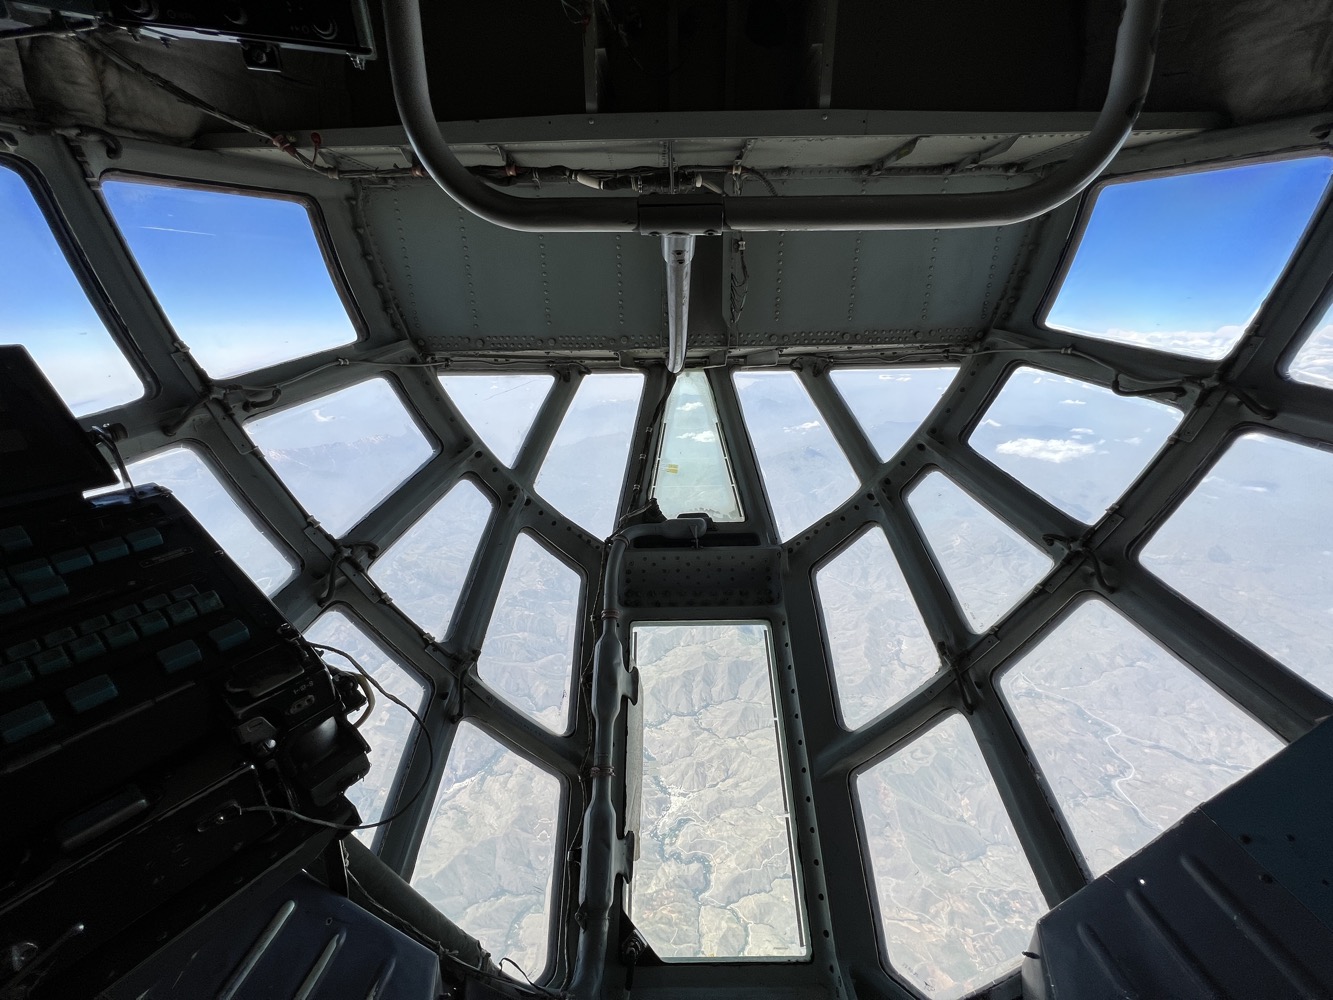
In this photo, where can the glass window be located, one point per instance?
(232, 526)
(1253, 545)
(988, 565)
(1078, 445)
(890, 403)
(343, 453)
(806, 475)
(880, 649)
(693, 470)
(241, 278)
(715, 876)
(1182, 263)
(1129, 738)
(389, 730)
(47, 311)
(487, 860)
(528, 653)
(1313, 363)
(501, 408)
(957, 899)
(585, 468)
(425, 569)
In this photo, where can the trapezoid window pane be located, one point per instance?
(241, 277)
(1313, 363)
(424, 571)
(1076, 444)
(528, 654)
(501, 408)
(693, 468)
(1182, 262)
(715, 876)
(389, 729)
(957, 899)
(1253, 545)
(805, 473)
(1129, 738)
(988, 565)
(343, 453)
(890, 403)
(585, 467)
(879, 647)
(184, 472)
(487, 860)
(47, 311)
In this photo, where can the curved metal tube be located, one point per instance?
(678, 252)
(1131, 74)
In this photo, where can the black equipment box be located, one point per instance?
(163, 729)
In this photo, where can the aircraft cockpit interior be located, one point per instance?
(589, 499)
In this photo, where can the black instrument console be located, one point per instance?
(163, 729)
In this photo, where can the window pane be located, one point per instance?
(988, 565)
(187, 475)
(585, 467)
(693, 471)
(714, 877)
(241, 278)
(890, 403)
(488, 856)
(880, 649)
(1253, 545)
(528, 653)
(1313, 363)
(425, 569)
(500, 408)
(47, 311)
(805, 472)
(957, 900)
(1129, 738)
(1078, 445)
(1182, 263)
(389, 730)
(343, 453)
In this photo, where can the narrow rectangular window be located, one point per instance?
(716, 876)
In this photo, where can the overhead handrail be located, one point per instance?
(1131, 73)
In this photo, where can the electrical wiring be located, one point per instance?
(345, 827)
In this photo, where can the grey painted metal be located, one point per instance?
(678, 252)
(1131, 74)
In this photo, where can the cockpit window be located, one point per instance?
(487, 860)
(241, 278)
(1129, 738)
(46, 310)
(1078, 445)
(890, 403)
(989, 566)
(585, 467)
(1183, 262)
(343, 453)
(1313, 363)
(500, 408)
(693, 465)
(388, 729)
(425, 569)
(1253, 545)
(805, 472)
(878, 645)
(957, 898)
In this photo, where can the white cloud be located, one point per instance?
(1081, 430)
(1055, 450)
(1134, 440)
(703, 437)
(695, 405)
(988, 422)
(1073, 402)
(1191, 343)
(320, 418)
(808, 425)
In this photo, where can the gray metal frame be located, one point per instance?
(1246, 391)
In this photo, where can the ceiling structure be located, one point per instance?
(752, 99)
